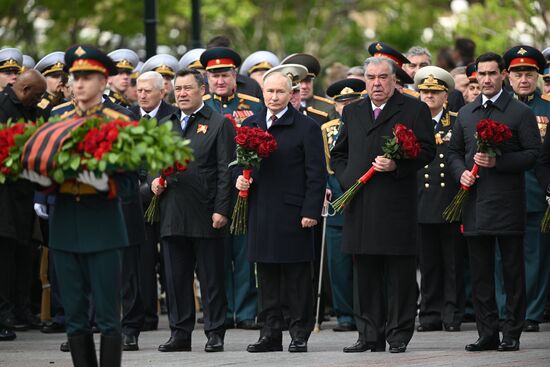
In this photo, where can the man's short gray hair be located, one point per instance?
(158, 80)
(356, 70)
(278, 73)
(418, 51)
(377, 60)
(458, 70)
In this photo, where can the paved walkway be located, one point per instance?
(34, 349)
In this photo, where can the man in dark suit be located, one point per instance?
(194, 208)
(495, 208)
(291, 183)
(385, 262)
(440, 244)
(151, 104)
(18, 103)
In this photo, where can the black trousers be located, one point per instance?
(149, 264)
(181, 254)
(133, 313)
(441, 254)
(384, 298)
(291, 283)
(482, 267)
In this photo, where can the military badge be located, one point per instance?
(240, 116)
(438, 139)
(542, 121)
(447, 136)
(202, 129)
(445, 120)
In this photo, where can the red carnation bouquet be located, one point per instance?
(152, 212)
(403, 145)
(253, 144)
(489, 135)
(101, 145)
(13, 137)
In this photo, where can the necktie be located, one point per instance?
(487, 108)
(184, 123)
(435, 123)
(146, 116)
(273, 118)
(377, 112)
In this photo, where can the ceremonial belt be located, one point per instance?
(39, 151)
(73, 187)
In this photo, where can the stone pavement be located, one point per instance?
(34, 349)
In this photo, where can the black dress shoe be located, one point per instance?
(483, 343)
(297, 346)
(6, 335)
(452, 327)
(64, 347)
(176, 345)
(398, 348)
(508, 345)
(362, 346)
(214, 343)
(345, 326)
(266, 344)
(429, 327)
(53, 328)
(247, 325)
(531, 326)
(130, 342)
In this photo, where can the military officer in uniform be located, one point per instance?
(440, 244)
(546, 79)
(257, 63)
(221, 65)
(126, 61)
(11, 60)
(167, 66)
(51, 66)
(473, 89)
(340, 265)
(320, 109)
(88, 262)
(524, 65)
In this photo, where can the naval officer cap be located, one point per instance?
(434, 78)
(52, 64)
(28, 63)
(164, 64)
(346, 89)
(295, 72)
(125, 60)
(259, 60)
(192, 59)
(11, 59)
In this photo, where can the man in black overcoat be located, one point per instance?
(194, 208)
(495, 208)
(285, 202)
(380, 222)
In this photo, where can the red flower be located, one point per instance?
(180, 167)
(168, 171)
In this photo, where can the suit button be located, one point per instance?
(442, 165)
(426, 166)
(224, 106)
(441, 155)
(426, 185)
(442, 174)
(426, 176)
(443, 184)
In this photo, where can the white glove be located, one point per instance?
(41, 210)
(35, 177)
(100, 183)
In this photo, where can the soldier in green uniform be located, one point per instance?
(51, 66)
(321, 109)
(88, 261)
(126, 61)
(221, 65)
(11, 60)
(440, 244)
(340, 265)
(524, 64)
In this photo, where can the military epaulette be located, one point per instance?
(316, 111)
(331, 123)
(323, 99)
(62, 105)
(44, 103)
(112, 99)
(248, 98)
(115, 114)
(67, 114)
(206, 97)
(411, 92)
(452, 113)
(546, 97)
